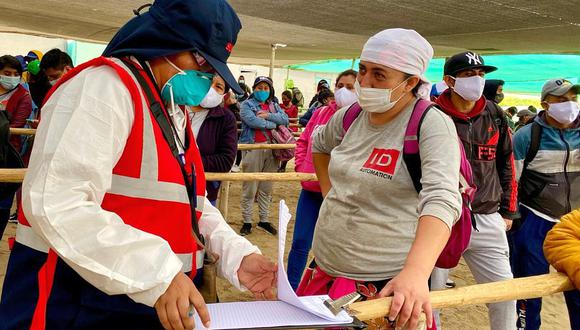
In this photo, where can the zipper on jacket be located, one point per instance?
(470, 139)
(568, 205)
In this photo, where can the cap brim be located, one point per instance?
(222, 69)
(485, 68)
(561, 90)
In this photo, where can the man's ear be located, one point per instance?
(545, 105)
(449, 81)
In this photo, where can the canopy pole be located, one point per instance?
(272, 59)
(352, 64)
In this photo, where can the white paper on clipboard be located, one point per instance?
(290, 310)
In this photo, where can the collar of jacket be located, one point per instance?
(541, 119)
(444, 101)
(216, 112)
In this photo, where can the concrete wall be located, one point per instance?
(20, 44)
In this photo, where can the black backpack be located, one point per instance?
(534, 144)
(9, 157)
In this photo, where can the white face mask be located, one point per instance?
(469, 88)
(9, 83)
(212, 99)
(344, 97)
(565, 112)
(376, 100)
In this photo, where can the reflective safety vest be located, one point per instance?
(148, 189)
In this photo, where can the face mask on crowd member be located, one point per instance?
(263, 89)
(285, 100)
(384, 78)
(560, 100)
(470, 85)
(54, 75)
(215, 94)
(10, 73)
(465, 75)
(344, 91)
(55, 64)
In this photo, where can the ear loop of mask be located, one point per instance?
(403, 94)
(173, 113)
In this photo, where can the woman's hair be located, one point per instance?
(324, 94)
(288, 94)
(11, 62)
(348, 72)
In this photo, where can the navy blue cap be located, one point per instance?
(172, 26)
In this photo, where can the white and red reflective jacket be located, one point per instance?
(104, 192)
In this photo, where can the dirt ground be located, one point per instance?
(554, 314)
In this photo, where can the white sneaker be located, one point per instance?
(235, 169)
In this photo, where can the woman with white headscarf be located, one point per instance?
(375, 233)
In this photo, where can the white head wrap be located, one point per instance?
(403, 50)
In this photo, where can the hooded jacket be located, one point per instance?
(550, 184)
(487, 141)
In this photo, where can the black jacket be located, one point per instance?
(487, 141)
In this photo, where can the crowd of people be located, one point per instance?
(120, 229)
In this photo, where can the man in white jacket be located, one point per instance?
(114, 195)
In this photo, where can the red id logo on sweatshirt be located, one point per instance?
(382, 160)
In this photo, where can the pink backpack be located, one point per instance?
(461, 231)
(281, 135)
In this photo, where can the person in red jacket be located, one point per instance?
(486, 137)
(14, 98)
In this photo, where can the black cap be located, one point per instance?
(173, 26)
(465, 61)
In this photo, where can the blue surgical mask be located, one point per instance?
(261, 96)
(187, 87)
(9, 83)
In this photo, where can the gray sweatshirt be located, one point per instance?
(368, 220)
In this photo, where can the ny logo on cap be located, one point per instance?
(473, 58)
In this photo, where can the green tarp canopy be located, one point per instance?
(524, 74)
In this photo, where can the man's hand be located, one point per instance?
(258, 274)
(173, 306)
(508, 224)
(263, 114)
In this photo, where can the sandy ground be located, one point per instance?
(554, 314)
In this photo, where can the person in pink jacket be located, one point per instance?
(310, 198)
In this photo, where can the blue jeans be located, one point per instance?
(527, 259)
(306, 215)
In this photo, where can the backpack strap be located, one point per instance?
(411, 143)
(536, 136)
(350, 116)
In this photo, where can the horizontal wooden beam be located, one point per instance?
(262, 146)
(22, 131)
(17, 175)
(260, 177)
(520, 288)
